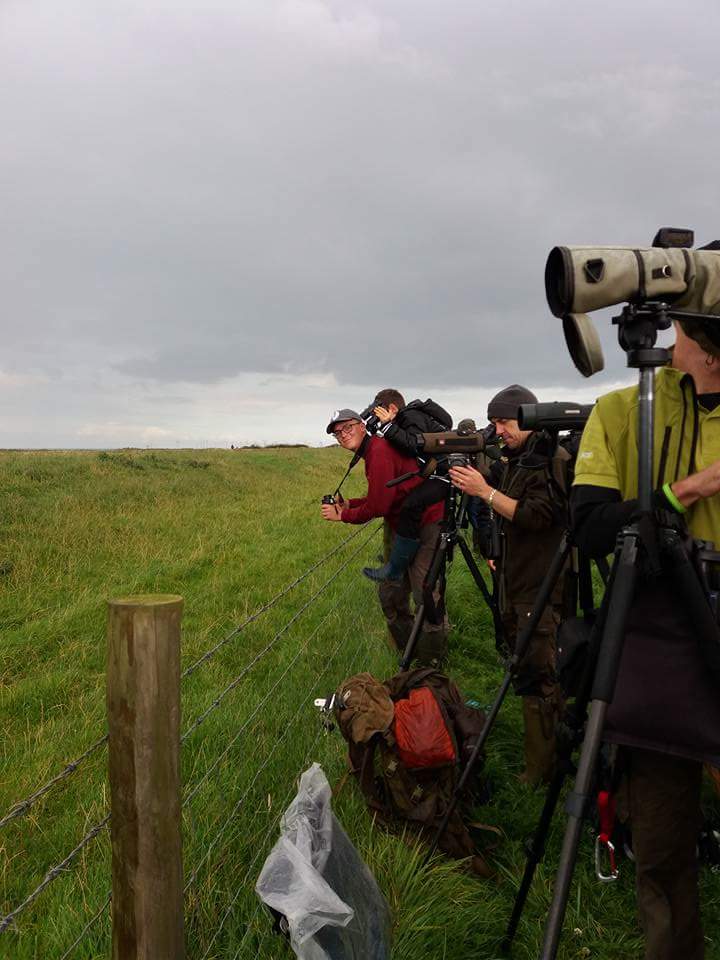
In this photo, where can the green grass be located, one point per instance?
(227, 530)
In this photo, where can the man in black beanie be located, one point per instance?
(530, 517)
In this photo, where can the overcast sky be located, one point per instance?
(222, 219)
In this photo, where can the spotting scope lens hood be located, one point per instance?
(559, 281)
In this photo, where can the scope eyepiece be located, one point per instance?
(553, 416)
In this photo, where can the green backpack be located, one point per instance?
(408, 739)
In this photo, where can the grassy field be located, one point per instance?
(228, 530)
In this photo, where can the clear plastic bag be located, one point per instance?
(315, 878)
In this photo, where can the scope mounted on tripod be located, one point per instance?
(554, 417)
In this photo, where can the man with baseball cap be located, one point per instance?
(530, 519)
(384, 462)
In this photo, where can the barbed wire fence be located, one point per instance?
(273, 718)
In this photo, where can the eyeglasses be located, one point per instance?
(344, 431)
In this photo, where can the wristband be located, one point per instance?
(490, 498)
(672, 499)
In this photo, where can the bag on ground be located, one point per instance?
(316, 884)
(408, 740)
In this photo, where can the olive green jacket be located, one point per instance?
(687, 439)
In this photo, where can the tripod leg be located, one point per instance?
(618, 607)
(436, 569)
(536, 852)
(523, 641)
(574, 719)
(470, 765)
(480, 582)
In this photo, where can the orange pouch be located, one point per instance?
(421, 735)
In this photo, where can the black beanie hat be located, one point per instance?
(504, 405)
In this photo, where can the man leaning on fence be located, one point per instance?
(384, 462)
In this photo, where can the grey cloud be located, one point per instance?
(364, 189)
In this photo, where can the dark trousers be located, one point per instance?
(416, 503)
(535, 675)
(395, 594)
(663, 795)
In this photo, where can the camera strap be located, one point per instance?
(357, 457)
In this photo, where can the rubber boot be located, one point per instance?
(402, 555)
(431, 648)
(540, 717)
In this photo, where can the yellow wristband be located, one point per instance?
(672, 499)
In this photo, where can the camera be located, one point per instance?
(458, 460)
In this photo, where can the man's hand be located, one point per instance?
(698, 486)
(470, 481)
(331, 511)
(383, 415)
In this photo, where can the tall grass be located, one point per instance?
(226, 530)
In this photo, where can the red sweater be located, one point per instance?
(384, 462)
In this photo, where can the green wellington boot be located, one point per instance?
(402, 555)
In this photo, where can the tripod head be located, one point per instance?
(638, 327)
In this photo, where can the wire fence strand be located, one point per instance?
(88, 926)
(266, 649)
(303, 649)
(262, 848)
(53, 873)
(22, 807)
(228, 822)
(255, 859)
(83, 933)
(267, 606)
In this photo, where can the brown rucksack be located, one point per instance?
(409, 738)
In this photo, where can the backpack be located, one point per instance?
(439, 419)
(408, 740)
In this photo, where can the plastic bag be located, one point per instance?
(315, 878)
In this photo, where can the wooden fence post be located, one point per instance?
(143, 703)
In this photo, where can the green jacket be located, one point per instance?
(665, 698)
(608, 455)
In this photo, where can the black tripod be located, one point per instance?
(568, 738)
(582, 587)
(644, 542)
(454, 520)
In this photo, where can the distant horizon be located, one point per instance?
(300, 423)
